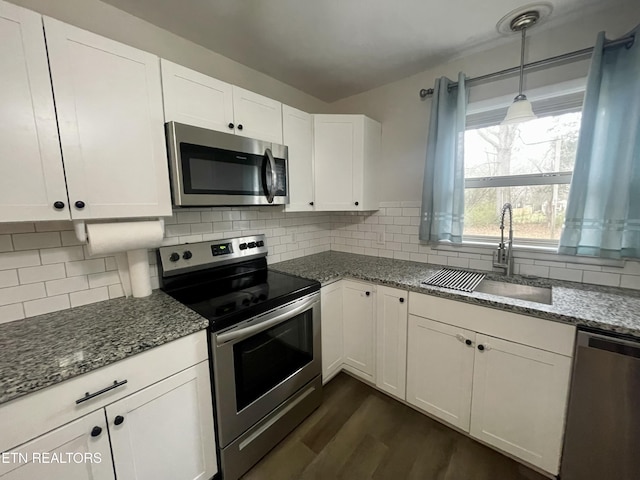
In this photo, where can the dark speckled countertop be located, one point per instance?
(605, 308)
(41, 351)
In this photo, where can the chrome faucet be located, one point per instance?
(502, 257)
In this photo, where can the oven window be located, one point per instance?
(216, 171)
(264, 360)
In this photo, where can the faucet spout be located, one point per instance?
(502, 257)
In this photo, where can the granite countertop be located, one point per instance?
(41, 351)
(605, 308)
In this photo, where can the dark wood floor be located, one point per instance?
(359, 433)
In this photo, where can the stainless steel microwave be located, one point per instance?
(213, 168)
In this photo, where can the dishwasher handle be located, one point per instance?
(608, 343)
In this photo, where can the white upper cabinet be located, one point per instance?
(391, 335)
(32, 178)
(193, 98)
(346, 149)
(297, 132)
(109, 105)
(257, 116)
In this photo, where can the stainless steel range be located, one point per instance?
(264, 342)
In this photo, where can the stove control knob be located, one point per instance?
(187, 255)
(174, 257)
(243, 246)
(260, 243)
(246, 302)
(251, 244)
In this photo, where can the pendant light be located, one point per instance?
(521, 110)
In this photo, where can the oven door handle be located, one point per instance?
(240, 333)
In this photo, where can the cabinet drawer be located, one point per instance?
(544, 334)
(32, 415)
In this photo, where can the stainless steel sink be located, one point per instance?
(513, 290)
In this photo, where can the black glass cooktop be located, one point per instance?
(229, 295)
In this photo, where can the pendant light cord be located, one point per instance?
(524, 33)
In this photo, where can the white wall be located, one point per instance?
(405, 118)
(116, 24)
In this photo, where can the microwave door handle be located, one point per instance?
(271, 189)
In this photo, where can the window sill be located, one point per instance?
(523, 251)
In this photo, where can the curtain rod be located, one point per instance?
(571, 56)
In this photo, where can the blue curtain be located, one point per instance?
(442, 214)
(603, 211)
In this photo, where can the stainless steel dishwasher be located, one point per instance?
(602, 438)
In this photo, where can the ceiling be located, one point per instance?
(332, 49)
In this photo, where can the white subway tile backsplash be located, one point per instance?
(601, 278)
(8, 278)
(534, 271)
(67, 285)
(565, 274)
(19, 259)
(85, 267)
(5, 243)
(106, 278)
(41, 273)
(630, 281)
(17, 227)
(59, 255)
(89, 296)
(115, 291)
(69, 239)
(32, 241)
(22, 293)
(54, 226)
(46, 305)
(188, 216)
(9, 313)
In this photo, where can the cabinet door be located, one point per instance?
(338, 141)
(520, 399)
(257, 116)
(193, 98)
(331, 328)
(166, 430)
(440, 370)
(109, 105)
(359, 328)
(391, 350)
(32, 177)
(70, 452)
(297, 132)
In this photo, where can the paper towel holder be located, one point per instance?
(80, 228)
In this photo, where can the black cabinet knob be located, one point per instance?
(401, 300)
(367, 293)
(311, 203)
(468, 342)
(95, 431)
(118, 420)
(240, 126)
(174, 257)
(58, 205)
(481, 347)
(79, 204)
(187, 255)
(357, 203)
(231, 125)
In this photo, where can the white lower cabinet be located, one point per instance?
(171, 420)
(331, 328)
(440, 370)
(359, 329)
(519, 400)
(391, 339)
(76, 451)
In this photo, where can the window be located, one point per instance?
(528, 165)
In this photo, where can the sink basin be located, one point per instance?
(513, 290)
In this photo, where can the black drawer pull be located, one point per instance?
(89, 396)
(95, 431)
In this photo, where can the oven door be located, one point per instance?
(260, 363)
(215, 168)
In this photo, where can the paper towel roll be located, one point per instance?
(139, 273)
(110, 238)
